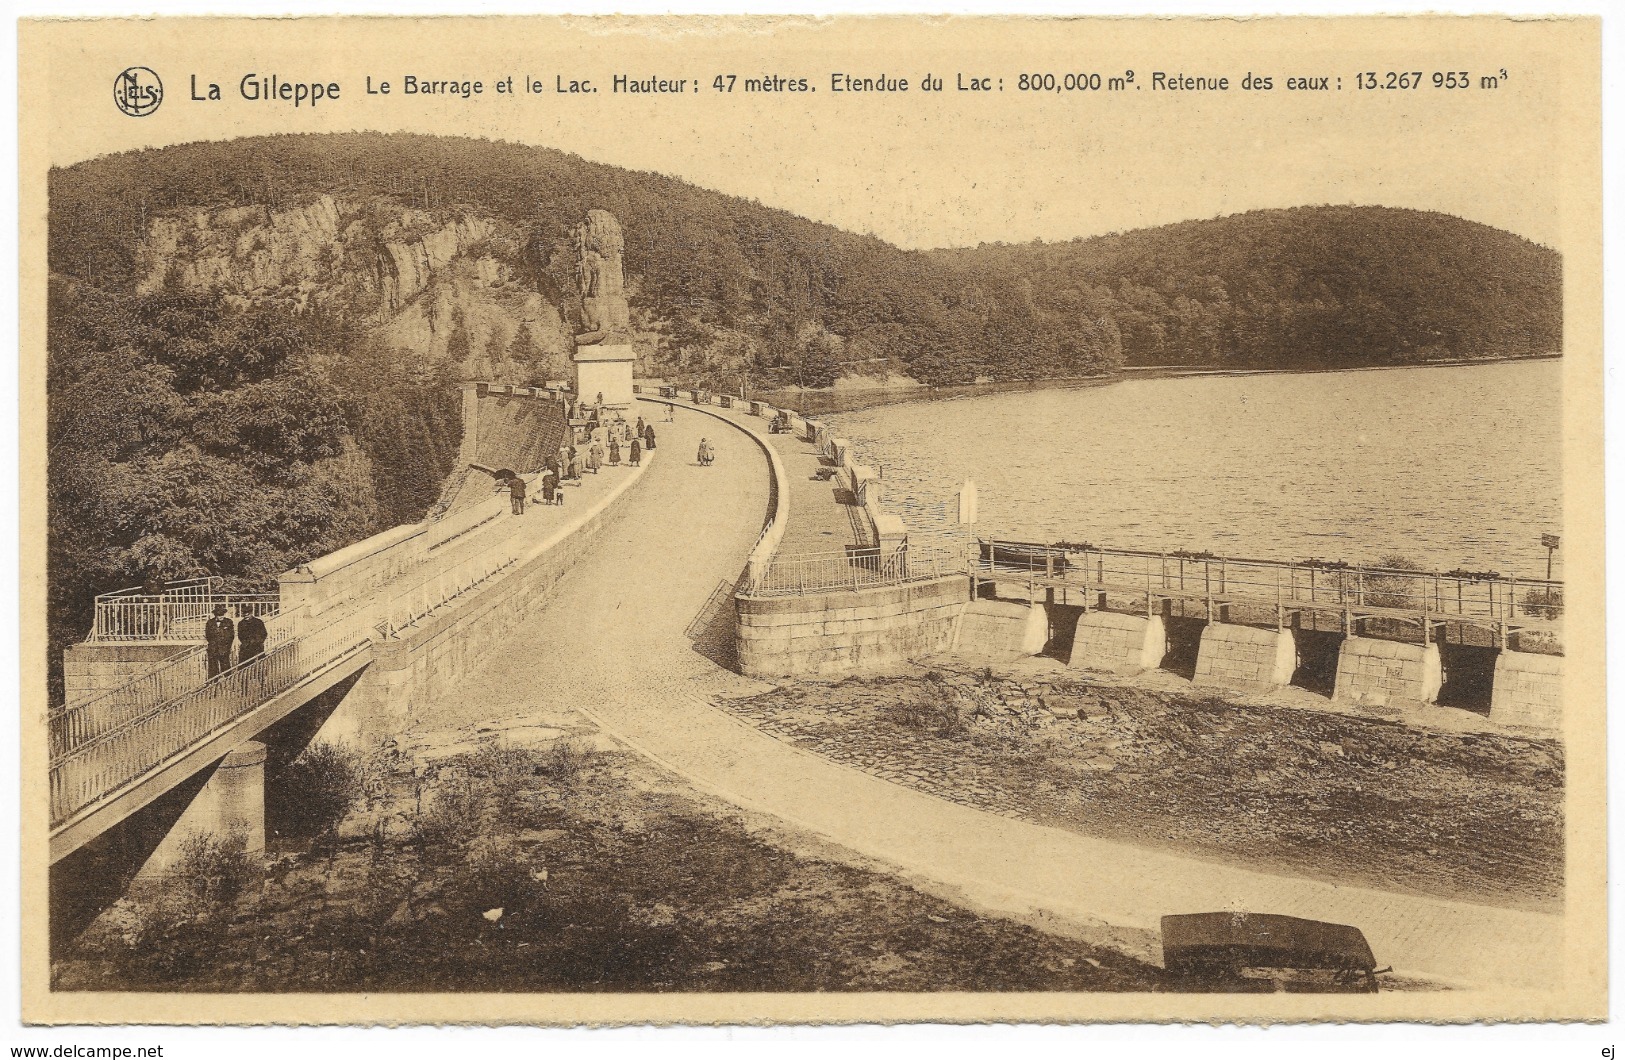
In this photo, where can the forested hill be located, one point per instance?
(725, 289)
(1304, 287)
(255, 346)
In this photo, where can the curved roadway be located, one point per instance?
(622, 644)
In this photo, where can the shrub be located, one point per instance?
(1543, 603)
(329, 781)
(567, 759)
(1394, 590)
(452, 813)
(215, 869)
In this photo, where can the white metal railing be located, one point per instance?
(851, 570)
(133, 618)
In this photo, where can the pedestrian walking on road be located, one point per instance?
(668, 412)
(595, 456)
(578, 464)
(706, 455)
(614, 453)
(251, 634)
(639, 431)
(516, 493)
(649, 436)
(218, 635)
(637, 453)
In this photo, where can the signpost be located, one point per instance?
(1549, 542)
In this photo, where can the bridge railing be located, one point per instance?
(1483, 598)
(124, 748)
(74, 725)
(442, 587)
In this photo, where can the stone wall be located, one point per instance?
(839, 632)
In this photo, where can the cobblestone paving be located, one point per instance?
(617, 644)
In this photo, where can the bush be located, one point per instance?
(567, 759)
(454, 812)
(215, 869)
(1543, 603)
(1394, 590)
(329, 781)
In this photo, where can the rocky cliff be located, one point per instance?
(407, 275)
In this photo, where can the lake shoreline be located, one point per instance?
(835, 402)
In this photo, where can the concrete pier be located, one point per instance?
(1002, 630)
(230, 803)
(1387, 672)
(1122, 644)
(1245, 658)
(1528, 690)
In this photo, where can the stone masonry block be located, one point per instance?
(1125, 644)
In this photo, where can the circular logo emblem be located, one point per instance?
(137, 91)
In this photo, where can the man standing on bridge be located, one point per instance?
(218, 634)
(251, 634)
(516, 493)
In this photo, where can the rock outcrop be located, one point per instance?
(411, 275)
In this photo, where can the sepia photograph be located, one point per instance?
(596, 520)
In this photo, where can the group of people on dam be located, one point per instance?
(601, 437)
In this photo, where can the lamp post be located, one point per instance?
(1550, 543)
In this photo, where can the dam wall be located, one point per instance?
(829, 629)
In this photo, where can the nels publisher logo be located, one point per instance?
(137, 91)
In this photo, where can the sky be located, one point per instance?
(920, 169)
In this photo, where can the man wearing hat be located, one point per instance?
(218, 633)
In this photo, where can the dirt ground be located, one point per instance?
(490, 862)
(1469, 815)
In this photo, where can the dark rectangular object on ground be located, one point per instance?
(1198, 943)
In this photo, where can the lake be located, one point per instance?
(1455, 467)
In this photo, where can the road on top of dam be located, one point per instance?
(638, 637)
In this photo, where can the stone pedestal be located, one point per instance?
(1121, 644)
(1386, 672)
(605, 368)
(1528, 690)
(1002, 630)
(1245, 658)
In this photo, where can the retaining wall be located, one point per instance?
(839, 632)
(434, 658)
(1528, 690)
(1245, 658)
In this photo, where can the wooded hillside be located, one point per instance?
(255, 345)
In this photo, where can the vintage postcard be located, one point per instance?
(802, 520)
